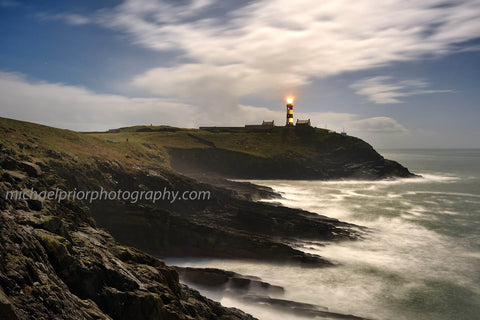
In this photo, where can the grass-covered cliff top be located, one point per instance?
(66, 145)
(261, 143)
(145, 142)
(277, 153)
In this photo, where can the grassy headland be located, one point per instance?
(98, 278)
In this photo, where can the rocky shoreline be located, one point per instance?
(253, 290)
(76, 260)
(55, 263)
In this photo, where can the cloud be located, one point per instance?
(384, 90)
(78, 108)
(9, 3)
(271, 46)
(302, 38)
(81, 109)
(193, 79)
(226, 50)
(69, 18)
(216, 89)
(377, 125)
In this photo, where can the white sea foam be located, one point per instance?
(458, 194)
(405, 263)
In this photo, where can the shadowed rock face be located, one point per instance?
(54, 263)
(222, 280)
(237, 165)
(226, 226)
(303, 155)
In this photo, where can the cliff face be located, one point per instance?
(227, 225)
(306, 154)
(56, 264)
(277, 153)
(341, 164)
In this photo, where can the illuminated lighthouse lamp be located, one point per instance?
(289, 112)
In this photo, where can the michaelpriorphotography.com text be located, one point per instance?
(102, 195)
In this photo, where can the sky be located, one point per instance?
(396, 73)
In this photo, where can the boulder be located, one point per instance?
(31, 169)
(13, 176)
(9, 163)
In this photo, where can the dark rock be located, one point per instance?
(7, 310)
(53, 154)
(31, 146)
(222, 280)
(72, 157)
(9, 163)
(244, 190)
(13, 176)
(35, 204)
(207, 277)
(298, 308)
(32, 169)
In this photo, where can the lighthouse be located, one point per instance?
(289, 112)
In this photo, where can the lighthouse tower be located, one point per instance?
(289, 112)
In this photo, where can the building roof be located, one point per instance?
(303, 122)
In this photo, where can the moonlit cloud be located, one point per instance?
(377, 125)
(9, 3)
(305, 39)
(384, 90)
(270, 47)
(69, 18)
(81, 109)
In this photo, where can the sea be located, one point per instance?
(419, 259)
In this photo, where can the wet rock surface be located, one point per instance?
(56, 264)
(253, 290)
(217, 279)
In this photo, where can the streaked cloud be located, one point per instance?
(385, 90)
(270, 47)
(263, 41)
(69, 18)
(77, 108)
(377, 125)
(9, 3)
(306, 39)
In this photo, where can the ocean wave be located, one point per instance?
(446, 193)
(423, 178)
